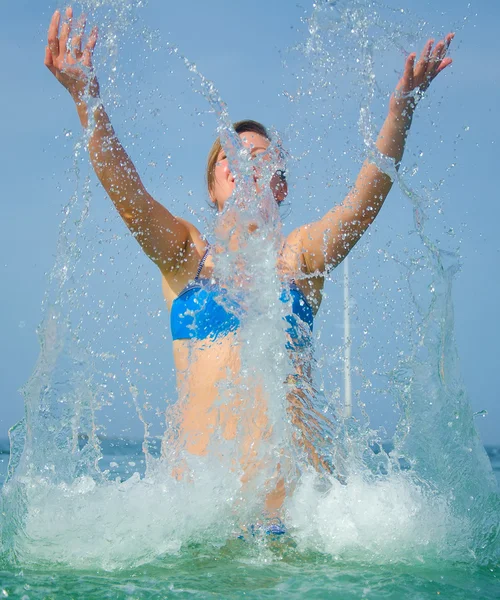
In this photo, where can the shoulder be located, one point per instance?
(296, 263)
(296, 250)
(193, 232)
(193, 250)
(176, 281)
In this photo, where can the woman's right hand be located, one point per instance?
(65, 58)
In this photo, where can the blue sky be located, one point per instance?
(247, 50)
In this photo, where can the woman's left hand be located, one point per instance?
(417, 77)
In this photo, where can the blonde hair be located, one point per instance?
(213, 155)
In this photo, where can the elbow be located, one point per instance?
(133, 216)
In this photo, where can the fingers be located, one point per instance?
(446, 61)
(432, 61)
(53, 40)
(48, 58)
(443, 65)
(65, 30)
(89, 48)
(423, 62)
(60, 40)
(408, 72)
(436, 57)
(448, 39)
(438, 61)
(405, 84)
(76, 42)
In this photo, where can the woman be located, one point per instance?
(204, 347)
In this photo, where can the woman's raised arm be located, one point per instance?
(162, 236)
(325, 243)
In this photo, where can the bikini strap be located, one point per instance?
(202, 262)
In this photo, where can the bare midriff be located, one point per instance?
(213, 400)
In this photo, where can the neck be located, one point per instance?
(232, 231)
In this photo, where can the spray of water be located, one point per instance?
(432, 496)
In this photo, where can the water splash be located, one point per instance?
(433, 495)
(438, 472)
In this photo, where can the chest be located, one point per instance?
(310, 287)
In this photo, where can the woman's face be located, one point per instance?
(224, 181)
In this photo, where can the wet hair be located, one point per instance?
(247, 126)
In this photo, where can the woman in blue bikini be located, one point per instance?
(204, 346)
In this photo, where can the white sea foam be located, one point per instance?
(388, 519)
(115, 525)
(112, 525)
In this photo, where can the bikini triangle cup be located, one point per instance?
(204, 311)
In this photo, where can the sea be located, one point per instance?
(247, 566)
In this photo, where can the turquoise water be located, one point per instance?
(258, 567)
(240, 570)
(237, 571)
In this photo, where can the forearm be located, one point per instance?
(374, 183)
(391, 140)
(347, 222)
(111, 162)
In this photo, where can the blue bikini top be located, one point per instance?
(203, 310)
